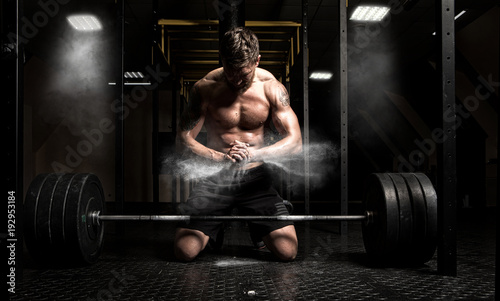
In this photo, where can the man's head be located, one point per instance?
(239, 51)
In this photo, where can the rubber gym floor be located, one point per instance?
(137, 263)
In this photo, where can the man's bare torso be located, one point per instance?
(235, 115)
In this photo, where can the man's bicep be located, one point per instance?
(286, 122)
(284, 117)
(282, 96)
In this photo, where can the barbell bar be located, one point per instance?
(65, 215)
(96, 218)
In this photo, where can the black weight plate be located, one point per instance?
(405, 237)
(57, 217)
(44, 215)
(40, 245)
(431, 232)
(381, 236)
(419, 217)
(33, 194)
(84, 240)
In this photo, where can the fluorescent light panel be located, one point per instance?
(137, 74)
(321, 75)
(84, 22)
(370, 13)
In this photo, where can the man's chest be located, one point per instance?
(245, 111)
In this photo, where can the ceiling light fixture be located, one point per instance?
(370, 13)
(137, 74)
(84, 22)
(321, 75)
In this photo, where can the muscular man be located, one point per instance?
(233, 103)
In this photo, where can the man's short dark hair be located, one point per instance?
(239, 47)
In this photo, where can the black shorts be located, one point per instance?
(249, 191)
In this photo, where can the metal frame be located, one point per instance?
(13, 79)
(175, 178)
(178, 22)
(171, 28)
(305, 91)
(155, 113)
(447, 181)
(344, 122)
(231, 15)
(447, 264)
(119, 117)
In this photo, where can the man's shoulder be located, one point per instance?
(211, 78)
(206, 85)
(264, 76)
(270, 83)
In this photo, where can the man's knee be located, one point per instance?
(283, 243)
(188, 244)
(288, 253)
(185, 254)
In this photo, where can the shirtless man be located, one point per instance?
(233, 103)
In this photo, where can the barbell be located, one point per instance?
(96, 218)
(65, 217)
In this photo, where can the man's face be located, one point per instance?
(240, 78)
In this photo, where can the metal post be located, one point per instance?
(154, 146)
(288, 180)
(119, 116)
(447, 245)
(497, 261)
(175, 178)
(155, 112)
(344, 141)
(12, 76)
(305, 90)
(231, 15)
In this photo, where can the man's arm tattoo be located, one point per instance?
(191, 116)
(284, 97)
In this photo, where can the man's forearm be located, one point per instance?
(285, 147)
(193, 147)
